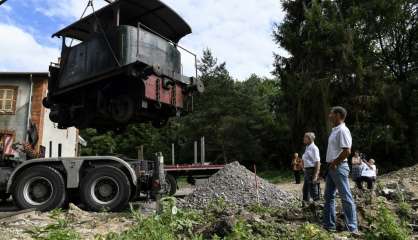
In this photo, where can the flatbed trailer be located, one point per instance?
(191, 171)
(194, 169)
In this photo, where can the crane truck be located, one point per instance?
(119, 65)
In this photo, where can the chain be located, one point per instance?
(174, 95)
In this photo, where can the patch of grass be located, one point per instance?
(311, 232)
(386, 225)
(276, 176)
(405, 211)
(171, 224)
(257, 224)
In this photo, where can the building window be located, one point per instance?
(8, 97)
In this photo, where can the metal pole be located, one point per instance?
(173, 159)
(159, 175)
(117, 15)
(202, 150)
(195, 152)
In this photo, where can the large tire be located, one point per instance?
(170, 186)
(105, 189)
(39, 187)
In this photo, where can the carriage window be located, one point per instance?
(71, 42)
(8, 100)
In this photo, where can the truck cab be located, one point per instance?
(121, 65)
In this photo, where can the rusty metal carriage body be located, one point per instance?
(124, 67)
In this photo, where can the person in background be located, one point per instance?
(297, 166)
(356, 166)
(368, 174)
(339, 148)
(312, 165)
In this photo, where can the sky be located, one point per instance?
(238, 32)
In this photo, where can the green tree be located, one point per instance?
(359, 54)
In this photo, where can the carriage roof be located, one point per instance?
(154, 14)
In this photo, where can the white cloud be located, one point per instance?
(21, 52)
(238, 32)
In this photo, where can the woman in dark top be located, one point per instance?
(297, 167)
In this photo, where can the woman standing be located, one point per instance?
(297, 167)
(312, 165)
(356, 163)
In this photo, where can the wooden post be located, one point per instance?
(141, 153)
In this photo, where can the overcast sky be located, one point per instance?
(238, 32)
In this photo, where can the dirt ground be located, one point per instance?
(16, 225)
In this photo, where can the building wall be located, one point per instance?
(39, 90)
(17, 122)
(53, 137)
(48, 134)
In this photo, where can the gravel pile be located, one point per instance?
(237, 186)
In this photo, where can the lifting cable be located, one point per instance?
(104, 34)
(90, 4)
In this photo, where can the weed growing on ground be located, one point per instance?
(56, 231)
(171, 224)
(405, 211)
(386, 225)
(259, 209)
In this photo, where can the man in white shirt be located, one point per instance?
(312, 164)
(339, 148)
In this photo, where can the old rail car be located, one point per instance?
(121, 65)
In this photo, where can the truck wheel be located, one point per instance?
(105, 188)
(40, 187)
(170, 186)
